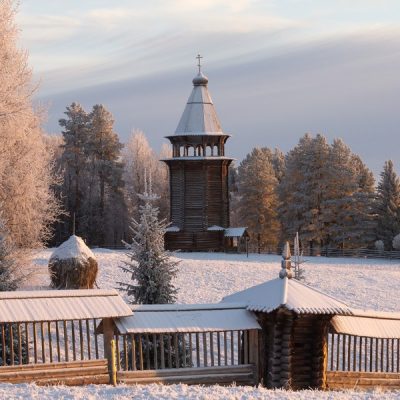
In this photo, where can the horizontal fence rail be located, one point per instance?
(137, 352)
(49, 341)
(363, 354)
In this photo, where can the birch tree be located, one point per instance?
(26, 170)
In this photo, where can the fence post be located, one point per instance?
(109, 348)
(254, 354)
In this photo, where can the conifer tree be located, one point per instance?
(151, 268)
(302, 190)
(388, 205)
(257, 199)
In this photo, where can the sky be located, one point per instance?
(277, 68)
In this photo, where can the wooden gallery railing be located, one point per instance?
(365, 362)
(48, 352)
(200, 357)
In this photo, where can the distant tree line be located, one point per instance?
(323, 191)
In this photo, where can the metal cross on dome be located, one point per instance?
(199, 57)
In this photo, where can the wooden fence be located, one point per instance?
(200, 357)
(356, 361)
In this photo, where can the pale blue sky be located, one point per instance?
(277, 69)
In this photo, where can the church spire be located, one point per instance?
(199, 116)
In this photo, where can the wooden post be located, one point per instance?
(113, 371)
(109, 348)
(254, 354)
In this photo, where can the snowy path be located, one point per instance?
(207, 277)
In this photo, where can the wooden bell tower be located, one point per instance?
(198, 176)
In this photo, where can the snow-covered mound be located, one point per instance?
(75, 248)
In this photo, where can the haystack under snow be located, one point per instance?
(73, 265)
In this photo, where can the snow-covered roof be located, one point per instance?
(187, 318)
(199, 116)
(235, 232)
(290, 294)
(57, 305)
(172, 229)
(367, 326)
(215, 228)
(74, 247)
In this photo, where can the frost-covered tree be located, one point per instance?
(257, 199)
(327, 195)
(10, 279)
(388, 205)
(302, 190)
(396, 242)
(138, 157)
(26, 171)
(347, 205)
(10, 276)
(150, 266)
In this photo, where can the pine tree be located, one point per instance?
(103, 152)
(74, 161)
(257, 199)
(347, 207)
(151, 268)
(388, 205)
(302, 190)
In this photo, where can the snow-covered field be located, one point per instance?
(207, 277)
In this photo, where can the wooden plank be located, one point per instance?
(126, 358)
(176, 349)
(50, 341)
(96, 343)
(11, 335)
(66, 355)
(27, 342)
(20, 360)
(133, 352)
(197, 350)
(3, 343)
(155, 358)
(118, 352)
(225, 348)
(89, 350)
(190, 350)
(73, 340)
(219, 348)
(58, 342)
(169, 351)
(162, 355)
(141, 363)
(42, 341)
(81, 339)
(35, 356)
(62, 365)
(148, 366)
(232, 350)
(205, 363)
(183, 350)
(212, 348)
(246, 347)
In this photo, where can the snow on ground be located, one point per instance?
(165, 392)
(207, 277)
